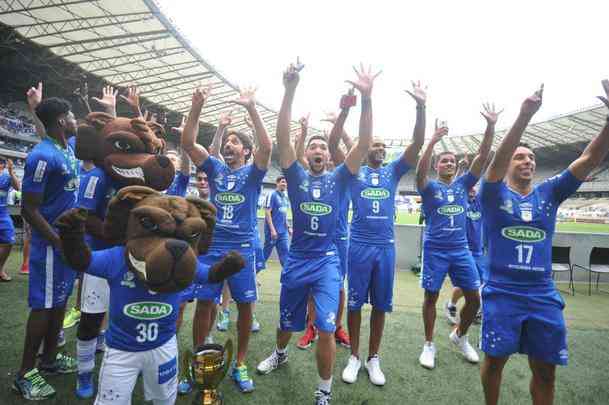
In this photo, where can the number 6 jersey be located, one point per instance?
(520, 229)
(315, 206)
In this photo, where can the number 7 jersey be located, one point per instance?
(520, 229)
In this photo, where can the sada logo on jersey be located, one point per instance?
(230, 198)
(523, 234)
(147, 310)
(450, 210)
(375, 193)
(474, 215)
(315, 208)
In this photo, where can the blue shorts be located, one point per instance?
(318, 277)
(458, 263)
(7, 230)
(342, 245)
(51, 279)
(481, 265)
(242, 285)
(371, 275)
(530, 322)
(281, 244)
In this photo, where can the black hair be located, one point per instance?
(524, 145)
(314, 137)
(200, 170)
(2, 160)
(50, 109)
(245, 140)
(279, 178)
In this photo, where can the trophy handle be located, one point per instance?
(228, 349)
(185, 365)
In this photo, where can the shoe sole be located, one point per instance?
(343, 344)
(304, 347)
(17, 391)
(426, 367)
(373, 383)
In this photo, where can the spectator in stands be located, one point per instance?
(8, 180)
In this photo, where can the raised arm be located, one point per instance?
(262, 155)
(133, 100)
(364, 84)
(82, 93)
(108, 100)
(411, 154)
(301, 138)
(287, 155)
(498, 167)
(597, 149)
(462, 166)
(215, 149)
(425, 162)
(338, 123)
(34, 98)
(197, 153)
(491, 116)
(14, 180)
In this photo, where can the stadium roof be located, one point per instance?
(130, 43)
(571, 128)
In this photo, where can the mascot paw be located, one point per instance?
(231, 264)
(72, 219)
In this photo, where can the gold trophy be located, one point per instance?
(207, 367)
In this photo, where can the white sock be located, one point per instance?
(325, 385)
(281, 351)
(85, 351)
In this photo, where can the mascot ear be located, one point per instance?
(208, 214)
(88, 139)
(119, 208)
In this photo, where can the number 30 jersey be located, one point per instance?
(373, 197)
(235, 195)
(315, 208)
(444, 207)
(139, 319)
(520, 229)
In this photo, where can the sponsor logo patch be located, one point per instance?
(315, 208)
(523, 234)
(39, 172)
(375, 193)
(147, 310)
(230, 198)
(450, 210)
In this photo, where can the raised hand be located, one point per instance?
(132, 98)
(463, 163)
(439, 132)
(9, 165)
(605, 98)
(180, 129)
(108, 99)
(248, 122)
(531, 105)
(365, 80)
(304, 121)
(200, 96)
(490, 114)
(82, 92)
(34, 96)
(247, 97)
(418, 93)
(291, 75)
(225, 119)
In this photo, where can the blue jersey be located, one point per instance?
(235, 195)
(52, 171)
(139, 319)
(5, 187)
(278, 203)
(444, 206)
(179, 185)
(373, 198)
(342, 226)
(474, 226)
(94, 193)
(520, 229)
(315, 202)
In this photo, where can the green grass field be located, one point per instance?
(454, 381)
(405, 218)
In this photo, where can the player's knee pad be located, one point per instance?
(89, 326)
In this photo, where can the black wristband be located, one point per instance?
(366, 100)
(420, 106)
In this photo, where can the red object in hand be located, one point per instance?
(348, 100)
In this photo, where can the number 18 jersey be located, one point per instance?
(315, 202)
(520, 229)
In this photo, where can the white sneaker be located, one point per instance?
(374, 371)
(463, 345)
(350, 372)
(428, 357)
(451, 313)
(272, 362)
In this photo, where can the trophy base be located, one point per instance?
(208, 397)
